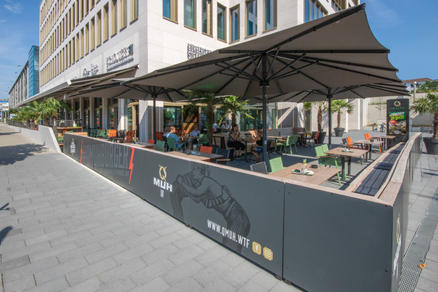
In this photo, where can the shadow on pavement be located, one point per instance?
(12, 154)
(4, 232)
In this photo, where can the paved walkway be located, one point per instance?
(63, 227)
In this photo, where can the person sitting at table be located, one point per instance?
(234, 141)
(225, 126)
(215, 127)
(172, 135)
(195, 132)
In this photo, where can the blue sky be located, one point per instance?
(407, 27)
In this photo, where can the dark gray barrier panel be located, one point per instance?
(242, 211)
(336, 243)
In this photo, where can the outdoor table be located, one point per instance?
(347, 155)
(321, 174)
(199, 156)
(385, 139)
(369, 145)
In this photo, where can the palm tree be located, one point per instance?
(322, 107)
(339, 106)
(51, 107)
(232, 105)
(210, 101)
(428, 104)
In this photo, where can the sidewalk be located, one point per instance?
(63, 227)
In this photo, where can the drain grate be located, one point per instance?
(418, 249)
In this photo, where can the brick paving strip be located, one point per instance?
(64, 227)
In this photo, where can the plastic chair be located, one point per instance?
(159, 136)
(171, 144)
(276, 164)
(206, 149)
(160, 146)
(226, 156)
(294, 142)
(112, 133)
(367, 136)
(284, 144)
(259, 167)
(151, 141)
(203, 139)
(315, 138)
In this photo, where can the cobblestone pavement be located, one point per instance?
(63, 227)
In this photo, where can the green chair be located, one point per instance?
(101, 133)
(171, 144)
(326, 160)
(203, 139)
(284, 144)
(160, 146)
(276, 164)
(294, 141)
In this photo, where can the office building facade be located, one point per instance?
(27, 83)
(83, 38)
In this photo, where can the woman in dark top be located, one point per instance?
(233, 140)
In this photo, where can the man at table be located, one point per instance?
(172, 135)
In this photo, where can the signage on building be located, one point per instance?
(398, 119)
(195, 51)
(91, 71)
(123, 56)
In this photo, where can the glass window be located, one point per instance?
(93, 34)
(113, 17)
(134, 10)
(221, 24)
(270, 14)
(170, 9)
(251, 17)
(235, 24)
(190, 13)
(172, 116)
(123, 13)
(306, 10)
(105, 23)
(99, 28)
(206, 17)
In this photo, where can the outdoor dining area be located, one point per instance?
(289, 200)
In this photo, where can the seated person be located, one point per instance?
(215, 127)
(234, 141)
(225, 126)
(172, 135)
(195, 132)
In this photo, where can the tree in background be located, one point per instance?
(232, 105)
(339, 106)
(428, 87)
(428, 104)
(322, 108)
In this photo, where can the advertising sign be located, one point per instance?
(398, 119)
(244, 214)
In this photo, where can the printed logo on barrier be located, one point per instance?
(72, 147)
(397, 103)
(162, 181)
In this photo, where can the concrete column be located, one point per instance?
(144, 120)
(92, 115)
(105, 114)
(72, 113)
(123, 112)
(81, 112)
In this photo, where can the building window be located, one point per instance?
(235, 23)
(105, 23)
(134, 10)
(123, 13)
(170, 10)
(113, 17)
(87, 38)
(270, 14)
(99, 28)
(221, 23)
(190, 13)
(93, 34)
(251, 17)
(82, 42)
(313, 10)
(206, 17)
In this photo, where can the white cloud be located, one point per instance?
(13, 6)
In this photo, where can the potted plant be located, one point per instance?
(429, 104)
(339, 106)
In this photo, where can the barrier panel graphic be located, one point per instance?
(317, 238)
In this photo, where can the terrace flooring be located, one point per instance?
(64, 227)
